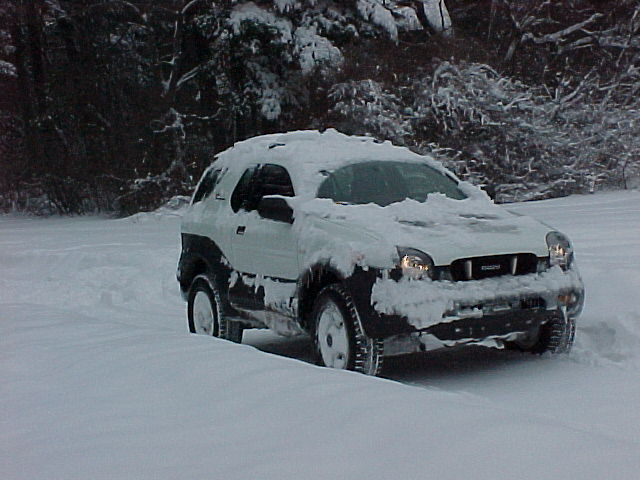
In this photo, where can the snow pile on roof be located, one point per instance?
(306, 153)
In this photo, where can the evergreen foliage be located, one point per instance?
(118, 105)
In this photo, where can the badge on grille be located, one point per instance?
(489, 268)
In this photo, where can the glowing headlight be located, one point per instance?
(560, 250)
(415, 264)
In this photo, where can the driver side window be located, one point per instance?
(256, 183)
(274, 180)
(242, 192)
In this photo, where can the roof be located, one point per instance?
(306, 153)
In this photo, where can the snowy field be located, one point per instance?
(99, 378)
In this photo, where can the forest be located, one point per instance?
(117, 106)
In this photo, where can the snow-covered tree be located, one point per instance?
(121, 104)
(11, 128)
(365, 108)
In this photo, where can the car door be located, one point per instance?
(262, 246)
(264, 251)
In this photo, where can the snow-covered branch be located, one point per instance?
(188, 76)
(560, 35)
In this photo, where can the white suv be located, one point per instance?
(372, 250)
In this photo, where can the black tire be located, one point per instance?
(338, 339)
(206, 311)
(556, 336)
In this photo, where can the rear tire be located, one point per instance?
(338, 339)
(206, 311)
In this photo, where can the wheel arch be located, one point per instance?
(310, 285)
(366, 353)
(190, 268)
(200, 255)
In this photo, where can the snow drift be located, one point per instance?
(100, 379)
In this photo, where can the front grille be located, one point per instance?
(533, 303)
(477, 268)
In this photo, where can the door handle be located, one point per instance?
(240, 230)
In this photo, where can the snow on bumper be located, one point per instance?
(428, 303)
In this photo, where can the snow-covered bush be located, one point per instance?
(495, 130)
(499, 125)
(523, 140)
(538, 97)
(364, 107)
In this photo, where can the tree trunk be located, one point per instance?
(434, 16)
(31, 98)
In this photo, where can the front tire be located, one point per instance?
(556, 336)
(206, 311)
(338, 339)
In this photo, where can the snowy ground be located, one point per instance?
(99, 378)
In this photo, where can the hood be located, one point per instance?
(465, 236)
(443, 228)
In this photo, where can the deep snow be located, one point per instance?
(100, 379)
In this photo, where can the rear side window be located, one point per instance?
(206, 185)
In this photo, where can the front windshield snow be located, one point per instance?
(386, 182)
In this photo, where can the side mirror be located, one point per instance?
(490, 190)
(275, 208)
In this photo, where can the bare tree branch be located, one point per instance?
(560, 35)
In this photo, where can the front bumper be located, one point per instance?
(489, 326)
(470, 310)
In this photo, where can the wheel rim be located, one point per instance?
(333, 337)
(203, 314)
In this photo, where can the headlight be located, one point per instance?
(560, 250)
(415, 264)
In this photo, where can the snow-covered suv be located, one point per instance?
(372, 250)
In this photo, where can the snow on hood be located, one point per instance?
(444, 228)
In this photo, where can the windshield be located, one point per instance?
(386, 182)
